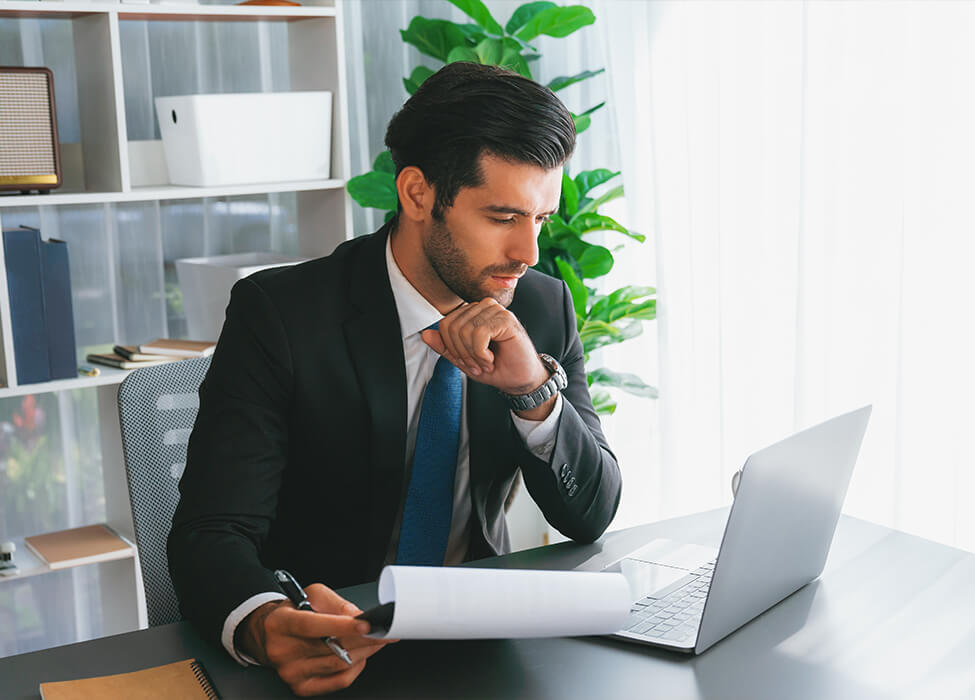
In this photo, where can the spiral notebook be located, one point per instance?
(186, 680)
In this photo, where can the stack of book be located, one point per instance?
(41, 316)
(155, 352)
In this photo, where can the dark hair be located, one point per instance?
(465, 110)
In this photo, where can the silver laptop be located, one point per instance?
(776, 540)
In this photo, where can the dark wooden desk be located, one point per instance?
(892, 617)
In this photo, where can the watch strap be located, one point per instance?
(556, 382)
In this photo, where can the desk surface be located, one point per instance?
(893, 616)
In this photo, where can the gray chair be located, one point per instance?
(157, 408)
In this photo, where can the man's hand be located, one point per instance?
(487, 343)
(290, 641)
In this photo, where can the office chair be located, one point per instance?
(157, 407)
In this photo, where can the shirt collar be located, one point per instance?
(415, 312)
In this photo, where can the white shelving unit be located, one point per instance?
(316, 61)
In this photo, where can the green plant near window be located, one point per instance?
(564, 251)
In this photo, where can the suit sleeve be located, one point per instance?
(235, 461)
(578, 489)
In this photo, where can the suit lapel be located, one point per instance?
(376, 351)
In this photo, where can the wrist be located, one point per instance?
(250, 637)
(539, 401)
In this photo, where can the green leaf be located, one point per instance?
(592, 109)
(595, 262)
(594, 204)
(570, 195)
(476, 10)
(597, 222)
(489, 52)
(557, 228)
(582, 123)
(472, 33)
(588, 179)
(376, 190)
(384, 163)
(623, 304)
(462, 53)
(389, 215)
(557, 22)
(580, 295)
(629, 383)
(597, 334)
(419, 74)
(567, 80)
(511, 58)
(433, 37)
(524, 14)
(603, 403)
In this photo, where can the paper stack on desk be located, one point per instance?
(463, 603)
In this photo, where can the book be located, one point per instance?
(131, 352)
(187, 680)
(25, 288)
(59, 316)
(80, 545)
(110, 359)
(181, 348)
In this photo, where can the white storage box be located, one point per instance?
(206, 284)
(215, 140)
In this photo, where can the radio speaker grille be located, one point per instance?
(28, 130)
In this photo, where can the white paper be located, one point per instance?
(462, 603)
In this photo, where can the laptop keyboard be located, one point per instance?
(672, 614)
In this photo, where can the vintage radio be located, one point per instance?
(29, 155)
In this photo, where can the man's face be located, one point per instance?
(487, 239)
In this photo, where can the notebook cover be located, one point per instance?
(110, 359)
(186, 680)
(185, 348)
(57, 307)
(25, 287)
(131, 352)
(80, 545)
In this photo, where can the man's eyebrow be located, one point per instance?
(501, 209)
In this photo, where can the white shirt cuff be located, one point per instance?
(539, 435)
(237, 616)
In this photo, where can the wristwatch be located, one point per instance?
(556, 382)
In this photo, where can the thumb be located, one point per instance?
(433, 340)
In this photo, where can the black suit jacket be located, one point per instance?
(297, 459)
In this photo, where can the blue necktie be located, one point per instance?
(430, 498)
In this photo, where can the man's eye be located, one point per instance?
(504, 221)
(546, 219)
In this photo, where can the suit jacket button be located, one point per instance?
(564, 470)
(572, 491)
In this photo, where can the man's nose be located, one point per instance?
(524, 244)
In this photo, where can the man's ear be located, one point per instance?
(416, 195)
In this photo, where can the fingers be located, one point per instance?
(466, 335)
(325, 600)
(314, 625)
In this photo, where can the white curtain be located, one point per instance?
(806, 170)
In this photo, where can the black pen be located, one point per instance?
(298, 598)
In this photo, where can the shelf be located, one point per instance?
(30, 565)
(165, 192)
(107, 376)
(162, 12)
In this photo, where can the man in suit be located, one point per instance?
(375, 406)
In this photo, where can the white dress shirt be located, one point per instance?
(415, 315)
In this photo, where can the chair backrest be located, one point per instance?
(157, 408)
